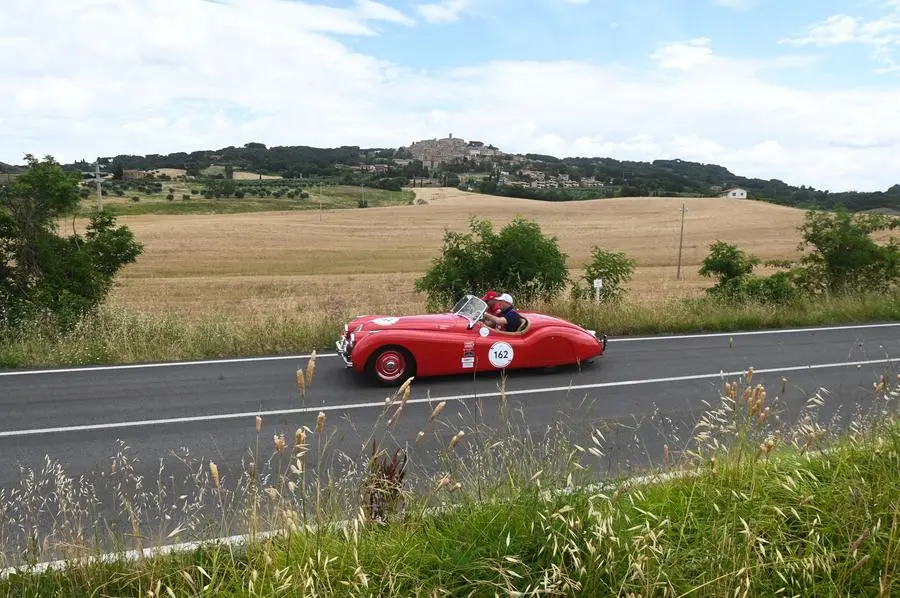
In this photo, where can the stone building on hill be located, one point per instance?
(433, 152)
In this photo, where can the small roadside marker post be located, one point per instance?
(598, 284)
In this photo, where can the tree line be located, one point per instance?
(679, 177)
(620, 178)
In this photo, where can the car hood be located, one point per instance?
(416, 322)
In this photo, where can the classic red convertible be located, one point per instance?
(391, 349)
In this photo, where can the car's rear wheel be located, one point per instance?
(391, 366)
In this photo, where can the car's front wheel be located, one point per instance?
(390, 366)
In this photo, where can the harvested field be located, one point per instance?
(366, 259)
(172, 172)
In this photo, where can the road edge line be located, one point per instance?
(264, 358)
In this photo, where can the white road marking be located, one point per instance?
(165, 364)
(430, 400)
(626, 339)
(621, 339)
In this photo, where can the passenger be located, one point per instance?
(492, 304)
(506, 318)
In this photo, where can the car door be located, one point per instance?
(495, 350)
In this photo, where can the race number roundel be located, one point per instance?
(500, 354)
(390, 321)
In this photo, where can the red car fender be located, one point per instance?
(415, 342)
(547, 346)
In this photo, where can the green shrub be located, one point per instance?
(726, 262)
(733, 268)
(778, 288)
(845, 257)
(519, 260)
(614, 268)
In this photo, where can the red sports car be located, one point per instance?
(391, 349)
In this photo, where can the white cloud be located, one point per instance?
(736, 4)
(368, 9)
(837, 29)
(447, 11)
(92, 77)
(684, 55)
(882, 35)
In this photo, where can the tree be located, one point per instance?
(42, 273)
(519, 260)
(613, 267)
(736, 283)
(726, 262)
(845, 257)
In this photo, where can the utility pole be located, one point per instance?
(320, 201)
(99, 192)
(680, 242)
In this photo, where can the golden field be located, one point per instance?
(363, 260)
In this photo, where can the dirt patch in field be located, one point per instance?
(172, 172)
(243, 175)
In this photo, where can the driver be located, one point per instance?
(502, 314)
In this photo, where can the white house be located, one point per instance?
(734, 193)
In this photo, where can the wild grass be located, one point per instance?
(752, 500)
(123, 335)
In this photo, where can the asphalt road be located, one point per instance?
(654, 386)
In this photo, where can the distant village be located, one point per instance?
(434, 152)
(514, 170)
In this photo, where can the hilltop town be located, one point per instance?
(472, 166)
(435, 153)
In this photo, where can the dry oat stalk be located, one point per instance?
(214, 473)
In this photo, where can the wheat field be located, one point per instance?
(367, 259)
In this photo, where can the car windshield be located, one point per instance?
(470, 307)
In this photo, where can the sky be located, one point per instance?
(807, 91)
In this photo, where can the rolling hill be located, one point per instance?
(615, 178)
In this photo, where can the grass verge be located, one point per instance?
(756, 507)
(121, 336)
